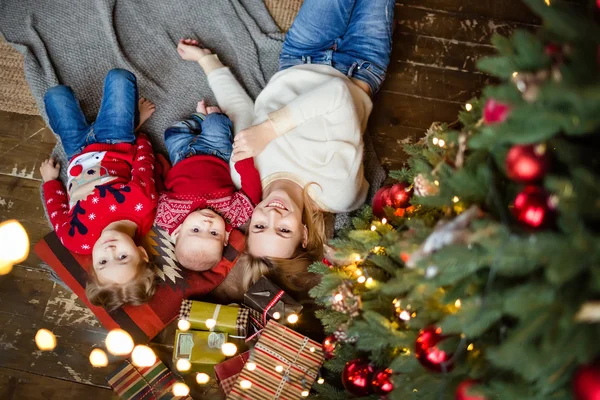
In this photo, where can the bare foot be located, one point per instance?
(203, 109)
(213, 109)
(191, 50)
(146, 108)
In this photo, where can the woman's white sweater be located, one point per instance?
(319, 116)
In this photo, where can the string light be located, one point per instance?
(202, 378)
(143, 356)
(210, 323)
(292, 318)
(180, 389)
(435, 141)
(470, 347)
(455, 199)
(547, 2)
(312, 349)
(229, 349)
(404, 315)
(436, 182)
(357, 258)
(279, 368)
(45, 340)
(305, 393)
(468, 107)
(383, 221)
(320, 381)
(441, 142)
(361, 279)
(184, 325)
(245, 384)
(14, 245)
(119, 342)
(514, 74)
(183, 365)
(358, 272)
(369, 281)
(98, 358)
(457, 303)
(373, 228)
(276, 315)
(338, 297)
(251, 366)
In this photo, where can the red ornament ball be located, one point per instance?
(495, 112)
(382, 382)
(533, 208)
(428, 354)
(329, 345)
(357, 377)
(527, 163)
(586, 383)
(400, 195)
(380, 201)
(462, 391)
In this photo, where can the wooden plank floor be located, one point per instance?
(432, 74)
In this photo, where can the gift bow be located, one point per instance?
(273, 301)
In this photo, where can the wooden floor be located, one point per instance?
(432, 74)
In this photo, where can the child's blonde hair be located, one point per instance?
(138, 291)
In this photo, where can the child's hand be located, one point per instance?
(252, 141)
(189, 50)
(50, 169)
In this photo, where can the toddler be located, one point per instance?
(200, 205)
(110, 198)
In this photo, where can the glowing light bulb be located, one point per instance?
(45, 340)
(292, 318)
(435, 140)
(369, 281)
(119, 342)
(436, 182)
(279, 368)
(180, 389)
(357, 258)
(184, 325)
(338, 297)
(404, 315)
(383, 221)
(457, 303)
(202, 378)
(245, 384)
(358, 272)
(361, 279)
(514, 74)
(468, 107)
(547, 2)
(14, 245)
(229, 349)
(183, 365)
(98, 358)
(373, 228)
(455, 199)
(276, 315)
(470, 347)
(251, 366)
(312, 349)
(320, 381)
(143, 356)
(210, 323)
(305, 393)
(441, 142)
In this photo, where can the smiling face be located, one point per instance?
(116, 258)
(276, 228)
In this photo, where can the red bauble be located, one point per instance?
(400, 195)
(462, 391)
(329, 345)
(380, 201)
(495, 112)
(382, 382)
(428, 354)
(586, 383)
(527, 163)
(532, 207)
(357, 376)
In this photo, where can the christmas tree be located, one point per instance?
(477, 275)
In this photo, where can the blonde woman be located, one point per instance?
(305, 128)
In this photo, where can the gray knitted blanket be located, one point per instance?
(76, 43)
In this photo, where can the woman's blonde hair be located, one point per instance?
(138, 291)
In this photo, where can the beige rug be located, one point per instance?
(14, 92)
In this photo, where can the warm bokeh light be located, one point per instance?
(338, 297)
(143, 356)
(245, 384)
(202, 378)
(373, 228)
(292, 318)
(455, 199)
(229, 349)
(210, 323)
(457, 303)
(361, 279)
(183, 365)
(45, 340)
(279, 368)
(14, 245)
(276, 315)
(251, 366)
(119, 342)
(98, 358)
(404, 315)
(305, 393)
(321, 381)
(383, 221)
(184, 325)
(468, 107)
(180, 389)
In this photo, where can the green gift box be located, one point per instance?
(232, 320)
(202, 349)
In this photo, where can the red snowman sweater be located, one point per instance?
(106, 183)
(204, 181)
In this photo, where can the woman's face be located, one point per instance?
(276, 228)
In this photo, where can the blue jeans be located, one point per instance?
(116, 120)
(210, 135)
(353, 36)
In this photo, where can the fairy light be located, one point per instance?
(45, 340)
(14, 245)
(202, 378)
(321, 381)
(376, 249)
(436, 182)
(413, 314)
(441, 142)
(276, 315)
(184, 325)
(369, 281)
(455, 199)
(292, 318)
(457, 303)
(468, 106)
(229, 349)
(279, 368)
(435, 141)
(245, 384)
(361, 279)
(143, 356)
(384, 221)
(547, 2)
(338, 297)
(373, 228)
(305, 393)
(98, 358)
(210, 323)
(514, 74)
(357, 258)
(251, 366)
(470, 347)
(358, 272)
(312, 349)
(183, 365)
(119, 342)
(404, 315)
(181, 389)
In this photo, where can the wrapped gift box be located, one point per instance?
(143, 383)
(264, 295)
(202, 349)
(287, 363)
(228, 371)
(232, 320)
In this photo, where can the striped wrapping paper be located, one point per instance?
(300, 357)
(143, 383)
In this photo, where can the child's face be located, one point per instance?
(116, 258)
(202, 230)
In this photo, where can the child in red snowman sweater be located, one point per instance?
(110, 199)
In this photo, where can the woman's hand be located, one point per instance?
(190, 50)
(252, 141)
(50, 169)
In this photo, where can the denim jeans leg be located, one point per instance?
(178, 138)
(216, 138)
(66, 119)
(118, 115)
